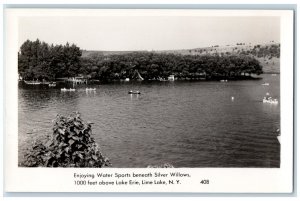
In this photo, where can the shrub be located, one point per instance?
(71, 145)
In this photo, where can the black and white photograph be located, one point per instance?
(130, 92)
(149, 100)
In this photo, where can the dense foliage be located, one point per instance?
(71, 145)
(154, 66)
(38, 60)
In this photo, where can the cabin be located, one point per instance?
(171, 78)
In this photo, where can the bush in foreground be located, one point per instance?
(71, 145)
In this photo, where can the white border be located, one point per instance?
(229, 180)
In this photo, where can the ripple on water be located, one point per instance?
(187, 124)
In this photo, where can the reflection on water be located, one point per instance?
(187, 124)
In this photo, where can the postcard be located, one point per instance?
(149, 100)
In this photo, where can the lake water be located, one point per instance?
(184, 123)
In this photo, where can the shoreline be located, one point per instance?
(220, 79)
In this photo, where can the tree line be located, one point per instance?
(38, 60)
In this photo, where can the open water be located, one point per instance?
(184, 123)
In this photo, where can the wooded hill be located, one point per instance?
(39, 60)
(267, 54)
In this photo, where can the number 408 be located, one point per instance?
(204, 181)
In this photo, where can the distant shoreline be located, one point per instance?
(41, 62)
(216, 79)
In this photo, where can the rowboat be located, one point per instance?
(134, 92)
(52, 84)
(270, 100)
(64, 89)
(32, 82)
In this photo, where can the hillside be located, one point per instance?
(92, 53)
(267, 54)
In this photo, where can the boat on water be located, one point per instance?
(279, 139)
(38, 82)
(64, 89)
(270, 100)
(52, 84)
(90, 89)
(32, 82)
(223, 80)
(134, 92)
(278, 135)
(265, 84)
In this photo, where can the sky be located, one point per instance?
(113, 33)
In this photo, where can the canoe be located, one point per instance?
(134, 92)
(64, 89)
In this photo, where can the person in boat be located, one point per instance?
(134, 92)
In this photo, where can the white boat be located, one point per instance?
(32, 82)
(278, 138)
(270, 100)
(53, 84)
(278, 135)
(223, 80)
(265, 84)
(64, 89)
(127, 80)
